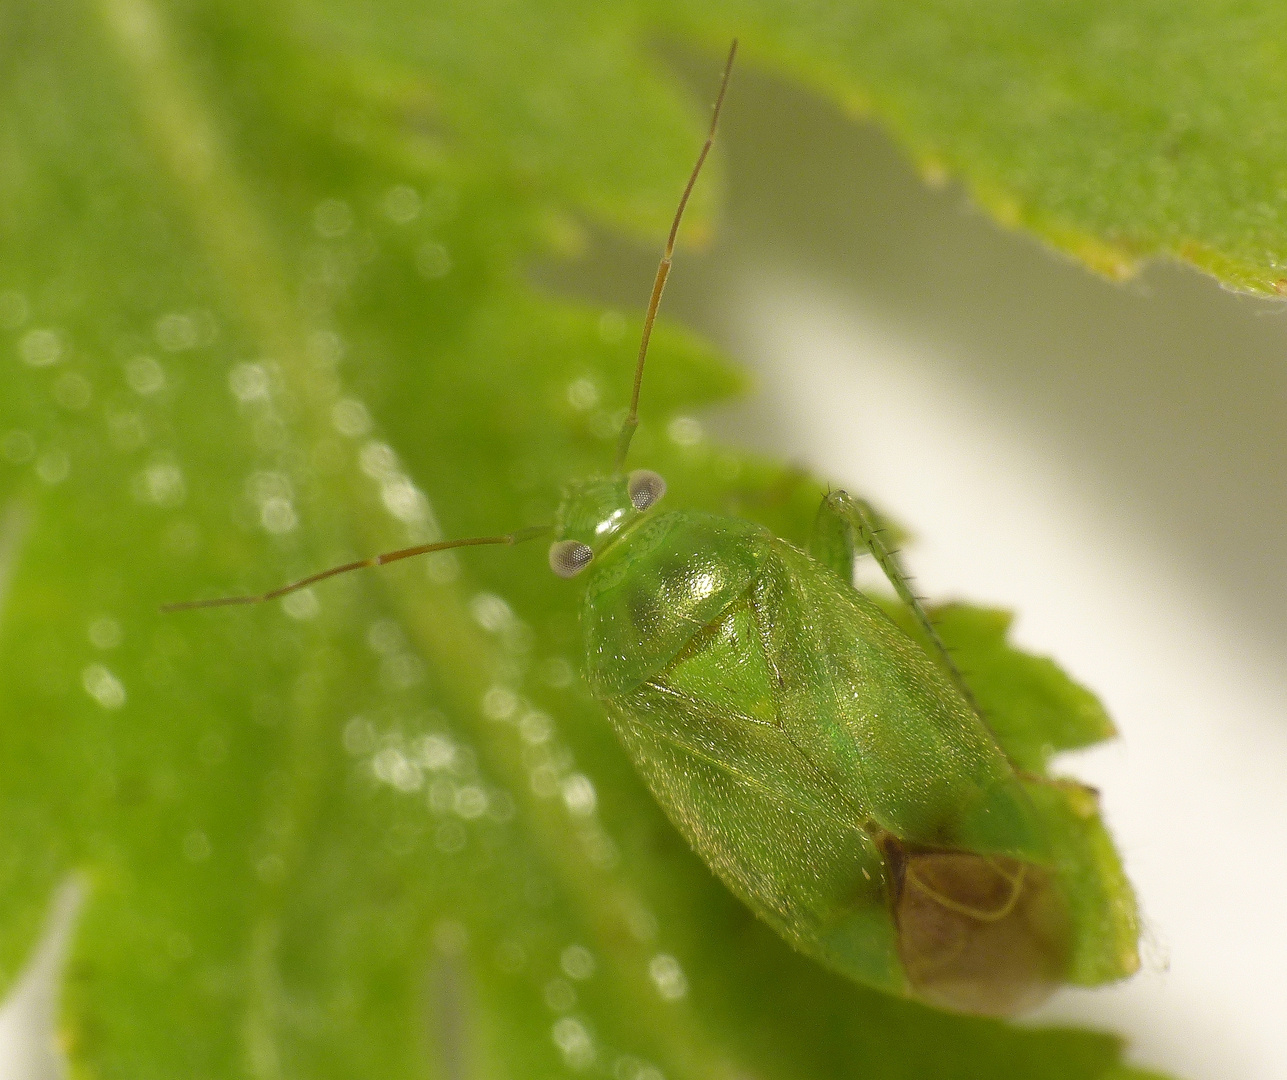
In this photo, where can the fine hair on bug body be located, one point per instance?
(833, 771)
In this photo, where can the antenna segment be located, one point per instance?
(663, 270)
(376, 560)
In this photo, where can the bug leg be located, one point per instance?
(847, 527)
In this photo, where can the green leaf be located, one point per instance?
(1114, 130)
(263, 310)
(1033, 708)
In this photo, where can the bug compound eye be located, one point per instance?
(645, 487)
(569, 557)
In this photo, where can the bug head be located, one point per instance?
(594, 513)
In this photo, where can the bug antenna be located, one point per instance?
(663, 270)
(517, 537)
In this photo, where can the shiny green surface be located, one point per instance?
(789, 728)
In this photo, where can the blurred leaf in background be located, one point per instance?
(262, 309)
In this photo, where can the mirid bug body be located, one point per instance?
(811, 752)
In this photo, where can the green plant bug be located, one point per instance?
(833, 771)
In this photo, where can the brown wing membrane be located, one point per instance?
(978, 933)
